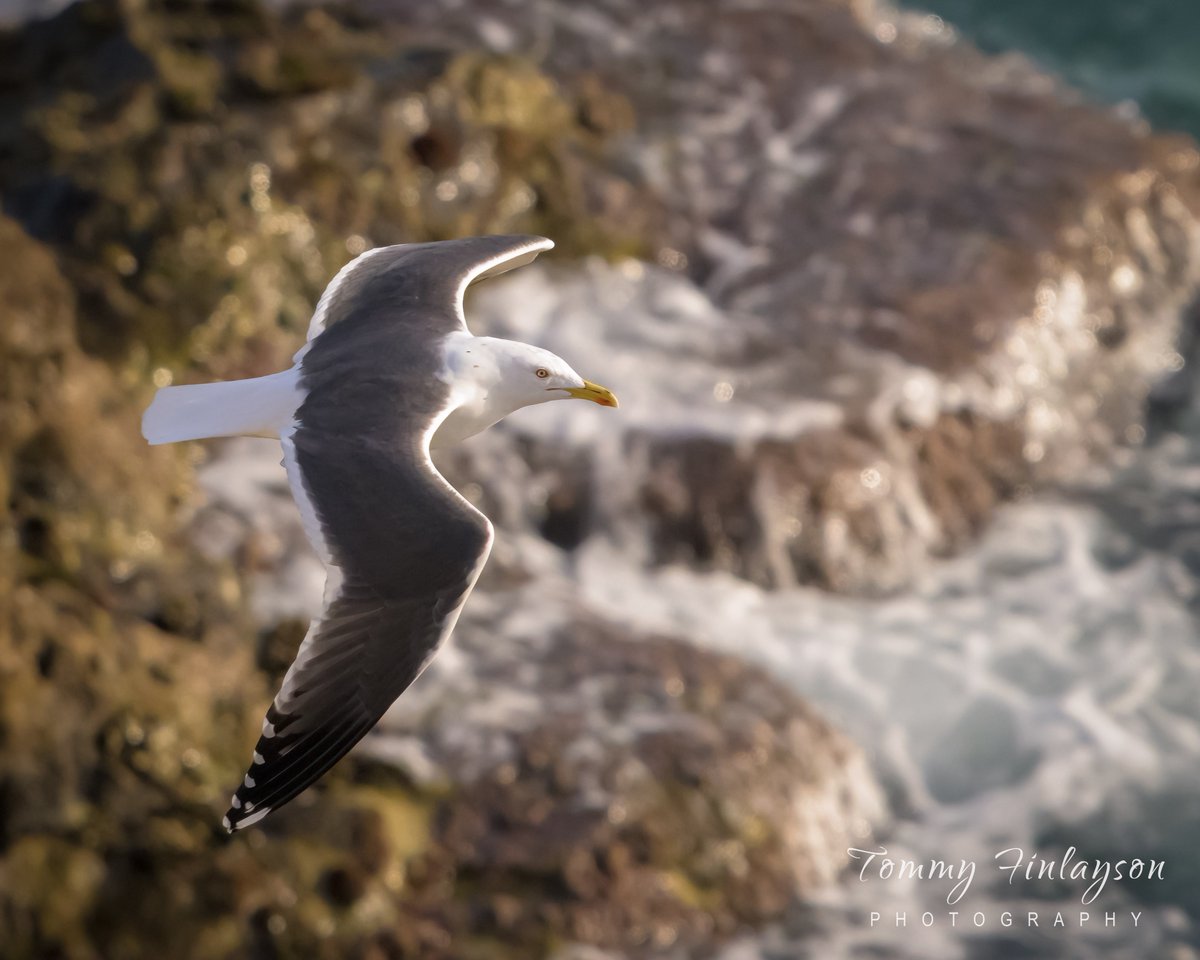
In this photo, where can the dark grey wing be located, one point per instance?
(402, 547)
(426, 281)
(405, 551)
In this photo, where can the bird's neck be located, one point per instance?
(477, 394)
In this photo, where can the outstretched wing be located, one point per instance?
(418, 283)
(401, 568)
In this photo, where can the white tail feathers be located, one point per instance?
(261, 407)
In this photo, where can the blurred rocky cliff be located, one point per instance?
(855, 285)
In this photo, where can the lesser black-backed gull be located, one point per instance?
(389, 370)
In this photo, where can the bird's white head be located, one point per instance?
(516, 375)
(500, 376)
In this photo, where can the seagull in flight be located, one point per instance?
(388, 371)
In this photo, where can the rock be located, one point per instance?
(640, 792)
(203, 169)
(983, 274)
(124, 683)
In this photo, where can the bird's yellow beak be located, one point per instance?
(595, 393)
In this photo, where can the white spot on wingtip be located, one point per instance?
(268, 729)
(258, 757)
(250, 821)
(248, 780)
(236, 803)
(249, 807)
(226, 824)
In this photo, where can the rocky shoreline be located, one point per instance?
(856, 284)
(981, 273)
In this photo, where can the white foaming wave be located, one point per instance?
(1019, 690)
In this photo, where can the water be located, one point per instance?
(1117, 50)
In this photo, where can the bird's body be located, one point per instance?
(389, 370)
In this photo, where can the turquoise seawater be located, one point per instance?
(1142, 50)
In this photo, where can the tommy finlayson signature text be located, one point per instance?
(876, 864)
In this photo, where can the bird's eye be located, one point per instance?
(542, 373)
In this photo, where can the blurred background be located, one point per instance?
(894, 541)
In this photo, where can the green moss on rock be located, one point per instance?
(128, 692)
(201, 196)
(188, 208)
